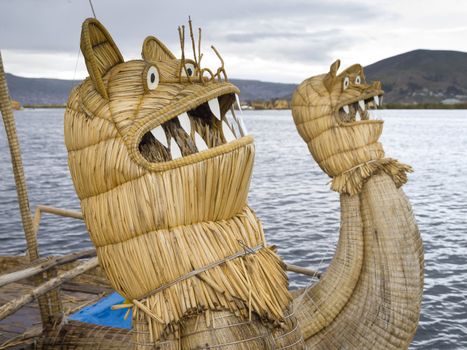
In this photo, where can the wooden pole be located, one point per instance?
(21, 188)
(18, 171)
(303, 270)
(56, 211)
(44, 266)
(60, 212)
(15, 304)
(33, 332)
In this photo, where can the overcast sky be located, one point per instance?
(282, 41)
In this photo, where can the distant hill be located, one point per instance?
(39, 90)
(261, 90)
(420, 76)
(51, 91)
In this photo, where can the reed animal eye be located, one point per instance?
(189, 70)
(358, 80)
(152, 78)
(346, 83)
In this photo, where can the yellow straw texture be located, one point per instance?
(370, 295)
(348, 152)
(175, 237)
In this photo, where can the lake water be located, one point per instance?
(291, 195)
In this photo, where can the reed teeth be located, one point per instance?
(237, 99)
(185, 123)
(228, 134)
(236, 123)
(242, 131)
(361, 103)
(242, 126)
(357, 116)
(359, 110)
(199, 142)
(175, 151)
(232, 122)
(214, 107)
(160, 135)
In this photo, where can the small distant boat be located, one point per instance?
(15, 105)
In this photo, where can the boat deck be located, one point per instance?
(23, 329)
(75, 294)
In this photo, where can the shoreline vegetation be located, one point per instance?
(52, 105)
(279, 105)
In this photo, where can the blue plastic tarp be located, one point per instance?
(101, 313)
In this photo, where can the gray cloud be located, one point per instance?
(54, 25)
(254, 36)
(251, 37)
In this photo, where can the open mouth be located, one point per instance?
(208, 125)
(359, 109)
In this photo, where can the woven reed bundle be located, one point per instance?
(222, 329)
(167, 212)
(344, 143)
(384, 307)
(85, 336)
(370, 296)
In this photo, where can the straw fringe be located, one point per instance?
(351, 182)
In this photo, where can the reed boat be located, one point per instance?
(161, 162)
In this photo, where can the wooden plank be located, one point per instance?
(17, 303)
(85, 288)
(45, 266)
(303, 270)
(79, 292)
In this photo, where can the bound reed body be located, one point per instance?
(370, 295)
(162, 167)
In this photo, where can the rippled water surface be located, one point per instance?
(291, 195)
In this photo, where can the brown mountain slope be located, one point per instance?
(413, 77)
(422, 76)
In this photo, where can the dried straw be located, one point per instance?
(379, 306)
(349, 152)
(175, 237)
(370, 296)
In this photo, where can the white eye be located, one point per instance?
(189, 70)
(152, 78)
(358, 80)
(346, 83)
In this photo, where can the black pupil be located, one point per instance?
(153, 77)
(189, 71)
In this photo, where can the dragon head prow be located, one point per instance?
(331, 112)
(351, 96)
(165, 108)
